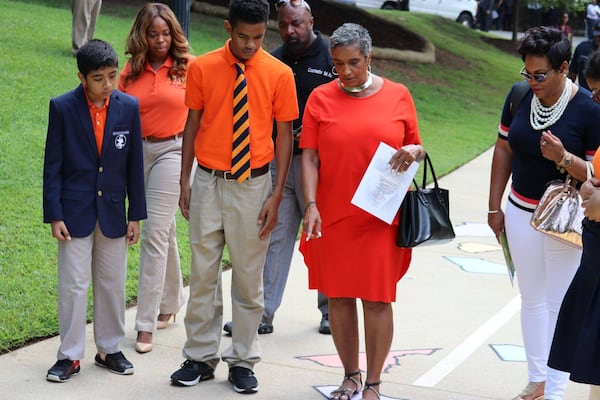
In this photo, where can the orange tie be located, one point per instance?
(240, 161)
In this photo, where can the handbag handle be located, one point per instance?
(436, 189)
(426, 163)
(589, 167)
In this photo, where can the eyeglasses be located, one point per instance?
(294, 3)
(536, 77)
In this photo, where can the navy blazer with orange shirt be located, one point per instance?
(82, 187)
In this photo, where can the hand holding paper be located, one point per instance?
(382, 190)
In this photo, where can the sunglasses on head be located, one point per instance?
(536, 77)
(294, 3)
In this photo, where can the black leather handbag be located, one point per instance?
(425, 214)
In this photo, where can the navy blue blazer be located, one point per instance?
(82, 188)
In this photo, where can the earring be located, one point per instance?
(369, 67)
(334, 71)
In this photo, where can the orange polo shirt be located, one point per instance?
(271, 94)
(596, 162)
(98, 115)
(162, 108)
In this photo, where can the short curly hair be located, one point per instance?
(351, 34)
(248, 11)
(547, 42)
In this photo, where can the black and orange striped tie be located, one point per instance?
(240, 161)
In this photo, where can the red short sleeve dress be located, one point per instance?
(357, 256)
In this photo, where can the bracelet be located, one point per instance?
(310, 203)
(493, 211)
(566, 160)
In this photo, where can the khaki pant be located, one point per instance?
(160, 289)
(594, 392)
(225, 213)
(103, 261)
(85, 14)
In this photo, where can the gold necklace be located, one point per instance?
(360, 88)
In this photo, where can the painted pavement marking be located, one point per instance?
(466, 348)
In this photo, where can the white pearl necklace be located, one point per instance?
(541, 117)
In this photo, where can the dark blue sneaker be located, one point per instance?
(243, 380)
(115, 362)
(192, 372)
(63, 370)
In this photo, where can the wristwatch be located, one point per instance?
(566, 161)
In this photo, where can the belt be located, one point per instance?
(254, 173)
(154, 139)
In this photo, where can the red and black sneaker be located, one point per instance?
(63, 370)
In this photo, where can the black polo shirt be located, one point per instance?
(312, 69)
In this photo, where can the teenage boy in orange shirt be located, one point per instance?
(222, 210)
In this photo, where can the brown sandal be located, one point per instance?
(346, 394)
(371, 387)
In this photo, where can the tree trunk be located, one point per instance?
(181, 9)
(515, 22)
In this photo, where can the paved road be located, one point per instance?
(508, 35)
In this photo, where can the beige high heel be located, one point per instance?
(162, 324)
(142, 347)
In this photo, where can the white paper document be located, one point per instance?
(381, 190)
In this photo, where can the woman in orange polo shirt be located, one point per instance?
(155, 74)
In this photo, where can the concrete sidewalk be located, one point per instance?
(457, 332)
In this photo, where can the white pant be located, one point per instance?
(545, 268)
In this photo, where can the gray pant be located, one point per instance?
(283, 240)
(103, 261)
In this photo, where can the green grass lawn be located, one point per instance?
(458, 108)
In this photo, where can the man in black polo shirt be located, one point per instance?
(583, 51)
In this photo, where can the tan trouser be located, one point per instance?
(225, 213)
(160, 288)
(85, 14)
(594, 392)
(103, 261)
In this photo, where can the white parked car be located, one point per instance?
(462, 11)
(383, 4)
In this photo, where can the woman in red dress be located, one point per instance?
(350, 253)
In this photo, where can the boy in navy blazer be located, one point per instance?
(93, 162)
